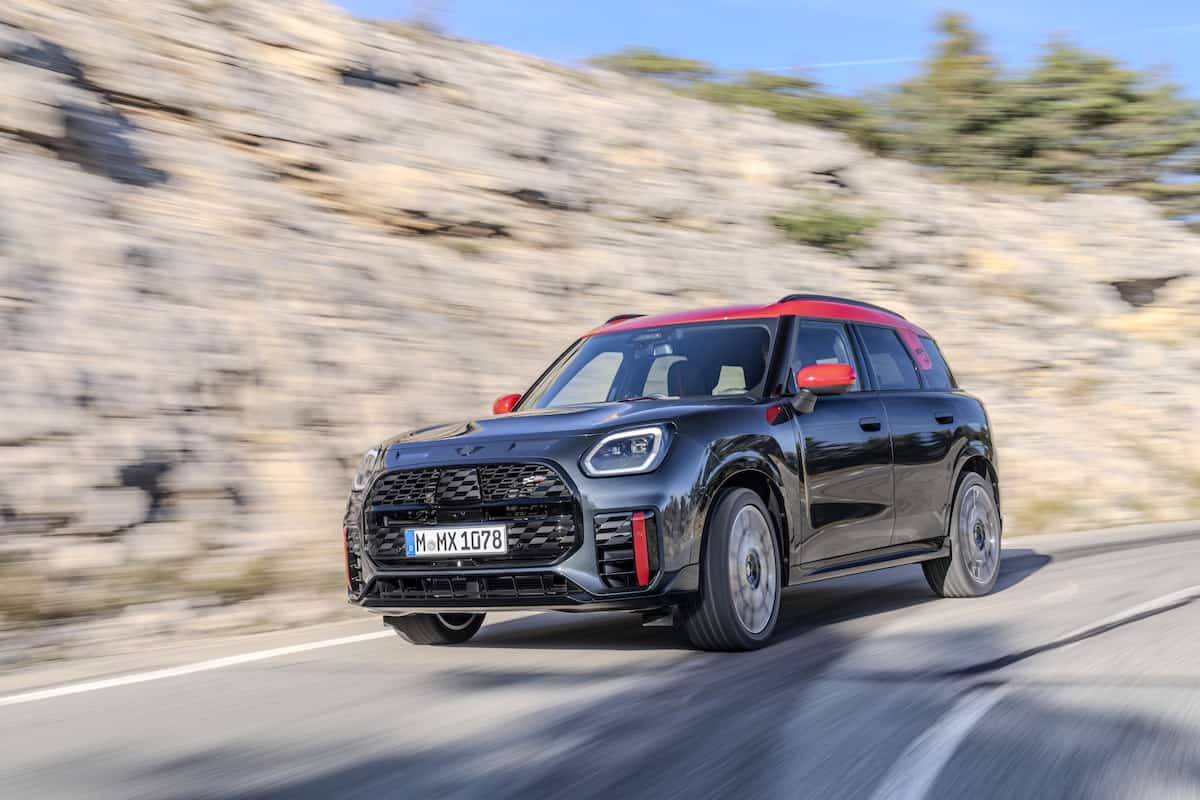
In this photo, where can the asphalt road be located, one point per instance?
(1079, 677)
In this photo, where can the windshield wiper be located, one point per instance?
(644, 397)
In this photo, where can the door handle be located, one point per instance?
(943, 417)
(870, 423)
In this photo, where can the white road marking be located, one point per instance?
(186, 669)
(913, 774)
(1182, 597)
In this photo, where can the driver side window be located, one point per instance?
(823, 343)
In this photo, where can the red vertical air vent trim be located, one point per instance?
(641, 559)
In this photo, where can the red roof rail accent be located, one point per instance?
(812, 307)
(828, 298)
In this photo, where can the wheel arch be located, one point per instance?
(950, 576)
(979, 464)
(767, 488)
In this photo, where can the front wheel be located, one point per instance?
(740, 579)
(436, 628)
(973, 565)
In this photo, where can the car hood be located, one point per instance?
(528, 434)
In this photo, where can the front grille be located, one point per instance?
(458, 486)
(533, 500)
(406, 488)
(614, 548)
(490, 482)
(528, 537)
(465, 588)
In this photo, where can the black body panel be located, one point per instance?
(930, 431)
(848, 467)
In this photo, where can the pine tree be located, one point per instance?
(947, 115)
(1078, 121)
(1102, 126)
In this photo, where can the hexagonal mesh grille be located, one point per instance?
(533, 500)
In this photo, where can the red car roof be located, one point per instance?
(821, 309)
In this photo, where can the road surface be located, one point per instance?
(1079, 677)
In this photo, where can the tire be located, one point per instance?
(740, 578)
(436, 628)
(973, 565)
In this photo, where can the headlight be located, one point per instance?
(366, 468)
(627, 452)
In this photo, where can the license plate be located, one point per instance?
(461, 540)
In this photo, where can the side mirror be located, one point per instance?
(821, 379)
(505, 403)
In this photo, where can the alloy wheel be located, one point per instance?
(753, 569)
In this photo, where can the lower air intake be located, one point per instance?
(616, 557)
(473, 588)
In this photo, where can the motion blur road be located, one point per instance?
(1079, 677)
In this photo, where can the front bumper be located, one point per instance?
(514, 590)
(578, 580)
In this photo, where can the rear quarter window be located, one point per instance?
(933, 367)
(890, 359)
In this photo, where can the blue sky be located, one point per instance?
(834, 41)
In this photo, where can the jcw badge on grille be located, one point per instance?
(463, 540)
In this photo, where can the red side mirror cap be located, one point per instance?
(826, 378)
(505, 403)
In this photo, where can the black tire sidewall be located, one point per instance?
(428, 629)
(716, 615)
(958, 567)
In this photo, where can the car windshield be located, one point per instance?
(697, 360)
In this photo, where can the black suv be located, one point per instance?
(692, 465)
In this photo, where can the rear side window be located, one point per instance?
(937, 374)
(893, 366)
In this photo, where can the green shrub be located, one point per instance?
(645, 62)
(796, 99)
(822, 225)
(791, 98)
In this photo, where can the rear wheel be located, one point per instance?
(436, 628)
(974, 561)
(740, 578)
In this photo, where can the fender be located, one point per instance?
(760, 455)
(972, 448)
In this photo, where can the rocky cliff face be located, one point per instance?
(242, 241)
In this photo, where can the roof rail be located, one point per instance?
(622, 318)
(826, 298)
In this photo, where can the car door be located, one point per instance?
(846, 453)
(920, 411)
